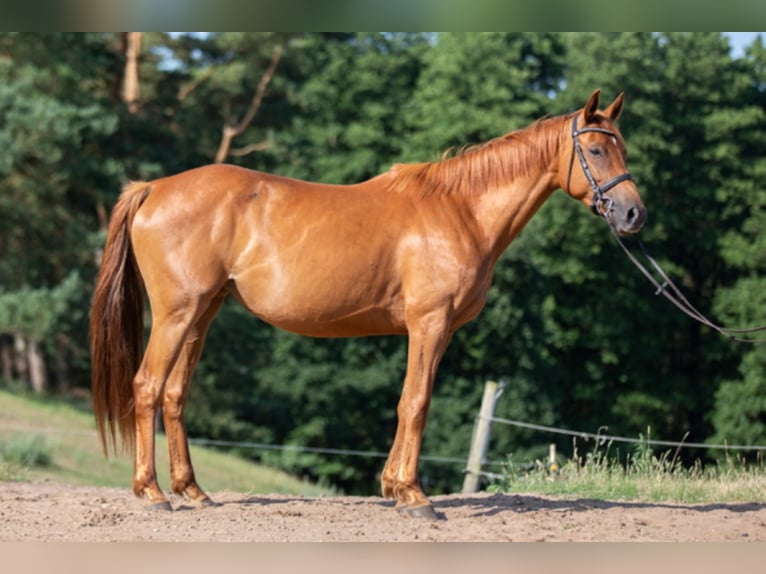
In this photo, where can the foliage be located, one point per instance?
(569, 324)
(26, 451)
(35, 311)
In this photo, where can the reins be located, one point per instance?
(672, 293)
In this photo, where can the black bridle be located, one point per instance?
(600, 204)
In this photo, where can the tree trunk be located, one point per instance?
(6, 359)
(63, 384)
(231, 131)
(29, 363)
(20, 359)
(38, 375)
(131, 88)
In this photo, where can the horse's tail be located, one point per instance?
(116, 325)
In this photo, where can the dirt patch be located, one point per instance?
(47, 511)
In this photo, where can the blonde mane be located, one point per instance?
(489, 164)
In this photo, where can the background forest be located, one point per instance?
(574, 330)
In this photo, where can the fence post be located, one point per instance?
(480, 438)
(553, 465)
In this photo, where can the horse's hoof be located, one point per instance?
(161, 506)
(198, 498)
(424, 511)
(207, 503)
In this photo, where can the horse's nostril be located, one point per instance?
(634, 217)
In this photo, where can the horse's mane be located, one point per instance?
(488, 164)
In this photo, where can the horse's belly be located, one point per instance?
(323, 308)
(362, 324)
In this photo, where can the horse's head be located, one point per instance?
(599, 177)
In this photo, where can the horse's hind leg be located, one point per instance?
(168, 360)
(174, 399)
(169, 331)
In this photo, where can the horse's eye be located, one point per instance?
(596, 151)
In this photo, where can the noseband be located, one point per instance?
(600, 204)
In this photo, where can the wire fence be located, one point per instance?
(605, 438)
(318, 450)
(601, 437)
(243, 444)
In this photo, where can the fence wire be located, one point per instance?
(605, 438)
(602, 438)
(244, 444)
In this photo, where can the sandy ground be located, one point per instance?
(47, 511)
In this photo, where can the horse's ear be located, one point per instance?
(590, 109)
(615, 108)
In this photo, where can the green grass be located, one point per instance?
(45, 439)
(643, 477)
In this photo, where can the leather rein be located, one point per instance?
(672, 293)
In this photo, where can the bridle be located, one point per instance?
(600, 204)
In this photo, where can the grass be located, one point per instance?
(644, 477)
(43, 439)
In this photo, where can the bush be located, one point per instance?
(26, 452)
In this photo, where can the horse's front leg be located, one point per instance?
(428, 339)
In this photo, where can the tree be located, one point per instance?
(346, 95)
(131, 87)
(236, 127)
(226, 81)
(53, 107)
(739, 412)
(478, 86)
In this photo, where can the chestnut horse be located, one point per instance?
(409, 252)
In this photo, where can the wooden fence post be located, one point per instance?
(480, 438)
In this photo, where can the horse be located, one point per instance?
(408, 252)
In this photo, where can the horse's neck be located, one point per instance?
(501, 183)
(503, 212)
(524, 175)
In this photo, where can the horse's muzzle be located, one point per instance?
(627, 219)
